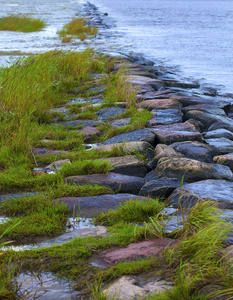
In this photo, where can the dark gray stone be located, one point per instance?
(196, 150)
(117, 182)
(222, 144)
(89, 207)
(218, 133)
(83, 123)
(109, 112)
(137, 135)
(165, 117)
(206, 108)
(161, 187)
(150, 176)
(216, 190)
(121, 122)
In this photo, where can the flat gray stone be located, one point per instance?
(109, 112)
(192, 170)
(218, 133)
(196, 150)
(212, 109)
(161, 187)
(89, 207)
(179, 132)
(117, 182)
(128, 165)
(121, 122)
(216, 190)
(222, 144)
(144, 135)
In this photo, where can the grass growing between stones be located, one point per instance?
(21, 23)
(77, 29)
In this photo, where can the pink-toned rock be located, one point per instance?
(160, 104)
(89, 133)
(143, 80)
(134, 251)
(179, 132)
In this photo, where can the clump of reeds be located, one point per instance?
(77, 28)
(21, 23)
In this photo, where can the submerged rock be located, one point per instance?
(117, 182)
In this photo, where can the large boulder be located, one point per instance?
(117, 182)
(192, 170)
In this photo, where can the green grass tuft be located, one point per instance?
(21, 23)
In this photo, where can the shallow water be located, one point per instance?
(44, 286)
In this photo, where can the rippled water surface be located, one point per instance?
(195, 35)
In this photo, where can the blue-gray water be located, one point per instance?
(194, 36)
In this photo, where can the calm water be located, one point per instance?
(196, 36)
(193, 36)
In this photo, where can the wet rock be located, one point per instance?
(109, 112)
(192, 170)
(56, 165)
(142, 80)
(134, 251)
(215, 190)
(89, 207)
(160, 104)
(165, 117)
(191, 100)
(89, 133)
(161, 187)
(221, 125)
(44, 151)
(185, 85)
(83, 123)
(114, 181)
(130, 287)
(218, 133)
(155, 95)
(150, 176)
(144, 135)
(196, 150)
(130, 147)
(128, 165)
(207, 118)
(206, 108)
(226, 160)
(162, 150)
(168, 134)
(121, 122)
(222, 144)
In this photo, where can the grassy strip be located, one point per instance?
(21, 23)
(77, 28)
